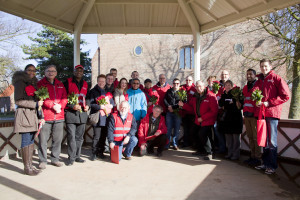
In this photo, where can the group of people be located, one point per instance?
(136, 116)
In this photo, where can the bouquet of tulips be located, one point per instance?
(42, 93)
(153, 99)
(237, 93)
(102, 100)
(73, 99)
(257, 96)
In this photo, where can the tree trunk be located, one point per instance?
(294, 112)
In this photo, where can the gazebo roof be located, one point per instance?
(141, 16)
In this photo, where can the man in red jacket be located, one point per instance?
(275, 92)
(53, 109)
(76, 114)
(152, 132)
(114, 72)
(162, 87)
(250, 121)
(204, 105)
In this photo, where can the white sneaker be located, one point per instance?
(270, 171)
(263, 167)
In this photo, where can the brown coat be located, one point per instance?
(26, 119)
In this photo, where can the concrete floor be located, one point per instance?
(176, 175)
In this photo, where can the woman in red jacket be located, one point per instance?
(53, 109)
(204, 106)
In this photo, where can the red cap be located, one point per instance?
(78, 66)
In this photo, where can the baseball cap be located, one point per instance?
(78, 66)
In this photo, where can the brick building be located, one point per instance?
(172, 55)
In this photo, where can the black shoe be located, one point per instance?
(150, 151)
(207, 157)
(159, 154)
(198, 153)
(101, 156)
(70, 163)
(248, 161)
(79, 160)
(93, 157)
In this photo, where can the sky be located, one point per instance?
(15, 48)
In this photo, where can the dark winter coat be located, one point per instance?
(231, 121)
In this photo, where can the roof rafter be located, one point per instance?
(177, 15)
(37, 4)
(97, 16)
(205, 10)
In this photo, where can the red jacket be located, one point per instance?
(208, 109)
(144, 128)
(148, 93)
(121, 130)
(116, 83)
(82, 93)
(57, 94)
(162, 92)
(275, 92)
(249, 105)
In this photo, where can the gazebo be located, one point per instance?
(194, 17)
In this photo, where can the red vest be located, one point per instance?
(121, 130)
(82, 94)
(249, 105)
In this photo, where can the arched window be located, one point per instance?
(186, 57)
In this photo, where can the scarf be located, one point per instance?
(153, 126)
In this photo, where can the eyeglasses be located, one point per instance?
(50, 71)
(176, 83)
(135, 83)
(30, 70)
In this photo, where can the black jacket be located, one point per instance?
(171, 98)
(232, 120)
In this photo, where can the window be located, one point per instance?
(138, 50)
(186, 57)
(238, 49)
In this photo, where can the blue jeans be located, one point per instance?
(129, 146)
(173, 122)
(27, 139)
(269, 156)
(220, 137)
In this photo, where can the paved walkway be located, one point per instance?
(176, 175)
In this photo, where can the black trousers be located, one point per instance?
(188, 123)
(206, 140)
(160, 142)
(75, 140)
(100, 134)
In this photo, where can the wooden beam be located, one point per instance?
(97, 16)
(189, 14)
(137, 30)
(68, 10)
(136, 2)
(177, 14)
(124, 14)
(150, 17)
(232, 6)
(206, 11)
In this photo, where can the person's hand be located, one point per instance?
(180, 103)
(266, 104)
(170, 108)
(126, 140)
(112, 145)
(200, 120)
(259, 104)
(157, 133)
(238, 104)
(42, 121)
(102, 107)
(77, 107)
(143, 146)
(57, 108)
(86, 108)
(110, 106)
(40, 103)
